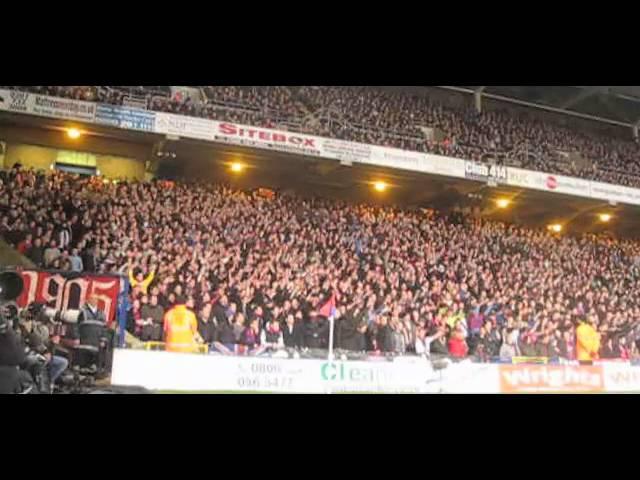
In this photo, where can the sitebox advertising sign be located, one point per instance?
(266, 138)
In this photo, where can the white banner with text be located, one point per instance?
(42, 105)
(167, 371)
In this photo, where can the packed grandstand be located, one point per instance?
(503, 133)
(249, 264)
(268, 272)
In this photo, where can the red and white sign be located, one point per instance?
(518, 177)
(244, 135)
(564, 184)
(70, 293)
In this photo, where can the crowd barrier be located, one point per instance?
(168, 371)
(162, 346)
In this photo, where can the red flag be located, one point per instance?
(329, 308)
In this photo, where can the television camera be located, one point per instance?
(86, 345)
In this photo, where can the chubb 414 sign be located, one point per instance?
(485, 173)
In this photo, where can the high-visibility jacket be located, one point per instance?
(452, 319)
(587, 342)
(180, 328)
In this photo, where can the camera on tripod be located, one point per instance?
(81, 338)
(85, 343)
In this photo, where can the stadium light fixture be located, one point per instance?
(380, 186)
(73, 133)
(237, 167)
(503, 202)
(605, 217)
(555, 227)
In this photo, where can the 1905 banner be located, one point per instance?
(67, 291)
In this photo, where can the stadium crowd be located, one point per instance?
(263, 272)
(531, 139)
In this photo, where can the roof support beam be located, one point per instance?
(477, 98)
(627, 97)
(539, 106)
(584, 94)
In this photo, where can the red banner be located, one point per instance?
(64, 291)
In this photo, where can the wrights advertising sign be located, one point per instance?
(550, 379)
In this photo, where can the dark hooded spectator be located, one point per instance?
(292, 333)
(206, 327)
(492, 340)
(89, 260)
(36, 253)
(316, 333)
(152, 315)
(384, 335)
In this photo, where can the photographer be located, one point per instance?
(37, 337)
(12, 355)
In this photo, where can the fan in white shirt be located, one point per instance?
(423, 343)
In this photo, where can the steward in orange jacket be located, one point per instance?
(587, 341)
(181, 330)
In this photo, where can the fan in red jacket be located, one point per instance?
(457, 344)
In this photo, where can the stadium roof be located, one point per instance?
(620, 104)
